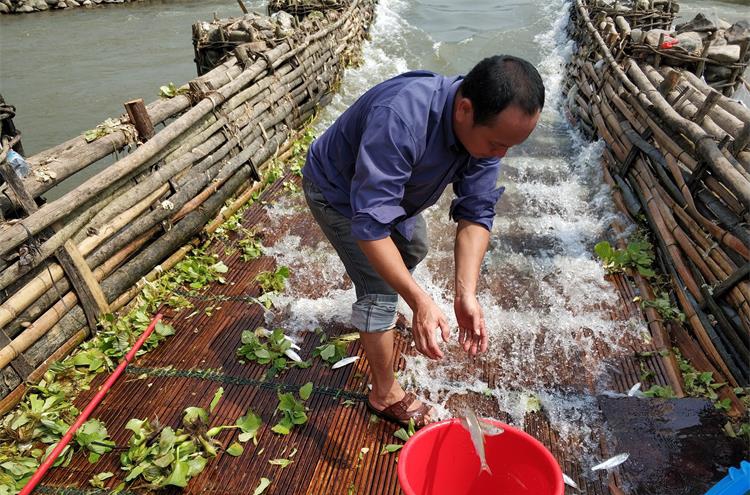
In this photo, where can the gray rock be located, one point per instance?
(4, 9)
(62, 5)
(7, 3)
(739, 32)
(719, 39)
(727, 53)
(717, 73)
(652, 37)
(40, 5)
(25, 9)
(724, 24)
(698, 23)
(636, 35)
(72, 3)
(691, 42)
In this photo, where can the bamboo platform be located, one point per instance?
(188, 368)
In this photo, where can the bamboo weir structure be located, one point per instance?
(677, 156)
(86, 254)
(198, 174)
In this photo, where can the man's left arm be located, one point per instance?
(474, 210)
(471, 244)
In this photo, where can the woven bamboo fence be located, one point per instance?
(676, 156)
(65, 263)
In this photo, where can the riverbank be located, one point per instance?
(30, 6)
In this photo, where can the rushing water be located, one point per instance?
(544, 295)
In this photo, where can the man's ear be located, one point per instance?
(465, 111)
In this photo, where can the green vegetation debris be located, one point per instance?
(293, 412)
(170, 91)
(638, 255)
(663, 305)
(334, 350)
(264, 483)
(272, 348)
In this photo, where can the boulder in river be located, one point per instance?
(698, 23)
(739, 32)
(691, 42)
(725, 54)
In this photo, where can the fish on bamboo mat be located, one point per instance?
(344, 362)
(612, 462)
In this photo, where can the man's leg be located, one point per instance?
(373, 314)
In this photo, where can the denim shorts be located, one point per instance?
(375, 308)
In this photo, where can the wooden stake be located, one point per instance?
(140, 119)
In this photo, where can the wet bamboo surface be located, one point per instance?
(190, 366)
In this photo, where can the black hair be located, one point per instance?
(499, 81)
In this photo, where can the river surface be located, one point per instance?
(68, 70)
(547, 305)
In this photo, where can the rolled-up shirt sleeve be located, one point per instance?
(477, 193)
(384, 163)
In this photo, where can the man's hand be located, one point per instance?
(472, 333)
(427, 318)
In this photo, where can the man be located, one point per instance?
(389, 157)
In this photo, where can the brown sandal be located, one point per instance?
(399, 412)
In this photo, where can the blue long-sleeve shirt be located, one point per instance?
(392, 154)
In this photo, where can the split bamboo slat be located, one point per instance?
(677, 153)
(261, 79)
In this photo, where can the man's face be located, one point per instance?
(510, 127)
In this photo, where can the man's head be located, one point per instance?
(497, 105)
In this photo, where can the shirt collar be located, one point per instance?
(450, 136)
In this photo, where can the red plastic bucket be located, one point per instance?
(440, 460)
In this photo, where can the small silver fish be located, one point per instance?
(472, 424)
(490, 429)
(569, 481)
(612, 462)
(293, 356)
(634, 390)
(344, 362)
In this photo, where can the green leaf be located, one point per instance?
(264, 483)
(328, 352)
(604, 250)
(401, 434)
(164, 330)
(97, 481)
(306, 390)
(249, 424)
(280, 462)
(220, 267)
(280, 429)
(235, 449)
(179, 476)
(195, 414)
(390, 448)
(216, 399)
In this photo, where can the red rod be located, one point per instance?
(39, 474)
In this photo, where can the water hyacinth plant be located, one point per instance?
(270, 348)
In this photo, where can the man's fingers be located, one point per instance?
(485, 337)
(445, 329)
